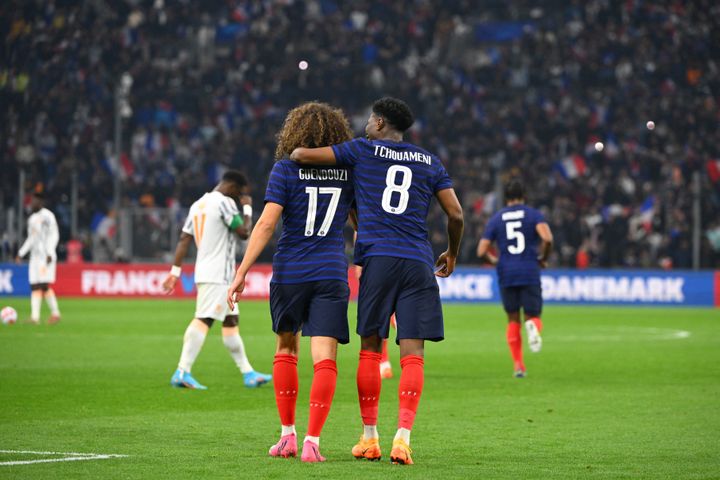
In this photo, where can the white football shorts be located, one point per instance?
(212, 301)
(39, 271)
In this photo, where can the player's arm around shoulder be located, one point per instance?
(259, 238)
(456, 224)
(313, 156)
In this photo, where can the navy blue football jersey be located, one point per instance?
(394, 186)
(514, 230)
(316, 202)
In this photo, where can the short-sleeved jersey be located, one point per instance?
(209, 223)
(394, 186)
(43, 235)
(514, 230)
(316, 202)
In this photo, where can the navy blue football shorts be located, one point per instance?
(318, 308)
(402, 286)
(527, 297)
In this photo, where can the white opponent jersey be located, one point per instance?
(43, 236)
(209, 222)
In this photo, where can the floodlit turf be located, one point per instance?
(615, 393)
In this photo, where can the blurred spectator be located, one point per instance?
(605, 107)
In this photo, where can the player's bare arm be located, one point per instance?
(456, 224)
(246, 203)
(353, 220)
(313, 156)
(242, 223)
(483, 252)
(261, 235)
(181, 250)
(546, 237)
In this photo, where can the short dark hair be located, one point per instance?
(395, 112)
(236, 177)
(39, 194)
(514, 190)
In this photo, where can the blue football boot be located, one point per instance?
(254, 379)
(183, 379)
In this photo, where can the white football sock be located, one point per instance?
(370, 431)
(403, 433)
(51, 300)
(192, 344)
(288, 429)
(315, 440)
(236, 348)
(35, 304)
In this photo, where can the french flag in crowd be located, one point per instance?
(572, 166)
(647, 210)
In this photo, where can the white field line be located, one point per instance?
(623, 334)
(70, 457)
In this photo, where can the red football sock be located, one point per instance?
(285, 379)
(537, 322)
(321, 395)
(410, 389)
(514, 340)
(384, 357)
(368, 385)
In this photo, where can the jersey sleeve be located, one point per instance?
(188, 225)
(539, 217)
(228, 211)
(53, 237)
(442, 179)
(277, 191)
(490, 232)
(29, 241)
(348, 154)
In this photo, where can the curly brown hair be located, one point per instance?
(310, 125)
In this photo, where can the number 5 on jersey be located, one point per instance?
(312, 209)
(513, 233)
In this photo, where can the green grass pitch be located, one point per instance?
(615, 393)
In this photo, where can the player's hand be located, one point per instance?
(245, 200)
(18, 260)
(543, 263)
(169, 284)
(48, 259)
(235, 290)
(358, 271)
(445, 265)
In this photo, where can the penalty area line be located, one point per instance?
(70, 457)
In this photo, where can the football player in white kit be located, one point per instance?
(213, 222)
(41, 242)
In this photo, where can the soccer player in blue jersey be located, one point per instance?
(309, 290)
(395, 182)
(518, 229)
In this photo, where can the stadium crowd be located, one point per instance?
(607, 109)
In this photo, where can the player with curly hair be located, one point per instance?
(309, 289)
